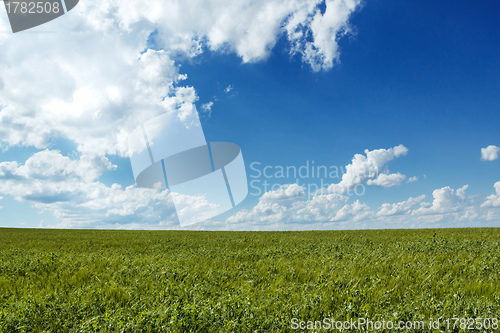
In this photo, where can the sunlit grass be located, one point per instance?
(140, 281)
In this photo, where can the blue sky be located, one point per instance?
(423, 75)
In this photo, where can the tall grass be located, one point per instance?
(179, 281)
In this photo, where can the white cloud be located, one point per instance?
(287, 205)
(412, 179)
(279, 207)
(191, 209)
(449, 208)
(273, 206)
(320, 208)
(494, 199)
(69, 189)
(207, 107)
(354, 212)
(314, 35)
(369, 168)
(285, 192)
(387, 180)
(249, 29)
(95, 74)
(96, 107)
(400, 208)
(490, 153)
(228, 88)
(446, 200)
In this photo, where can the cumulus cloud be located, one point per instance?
(96, 107)
(449, 207)
(400, 208)
(228, 89)
(491, 205)
(273, 206)
(490, 153)
(320, 208)
(285, 192)
(354, 212)
(446, 200)
(110, 66)
(369, 168)
(207, 107)
(287, 205)
(412, 179)
(68, 188)
(314, 35)
(97, 73)
(269, 209)
(494, 199)
(387, 180)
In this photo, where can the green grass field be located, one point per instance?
(179, 281)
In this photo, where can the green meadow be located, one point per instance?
(187, 281)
